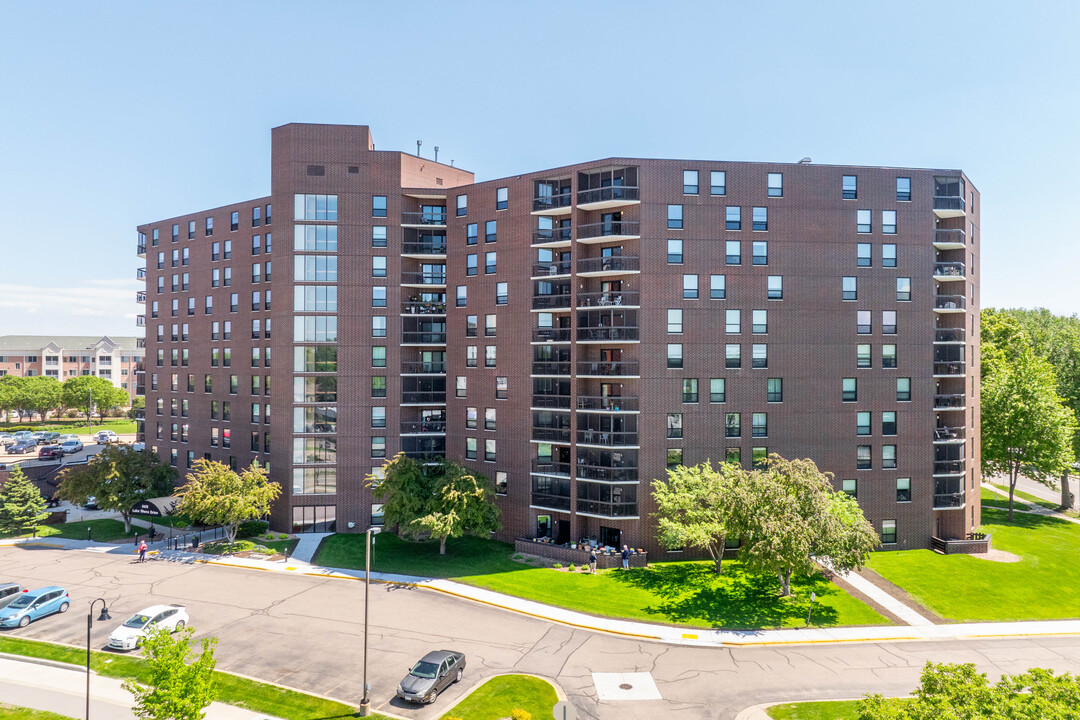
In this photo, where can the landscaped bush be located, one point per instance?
(220, 547)
(251, 528)
(556, 565)
(519, 714)
(283, 536)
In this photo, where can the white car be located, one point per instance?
(105, 437)
(64, 438)
(130, 635)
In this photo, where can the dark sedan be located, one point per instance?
(22, 447)
(50, 451)
(434, 673)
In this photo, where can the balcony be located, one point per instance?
(421, 397)
(949, 271)
(607, 438)
(548, 501)
(423, 250)
(955, 401)
(560, 335)
(948, 467)
(551, 237)
(949, 335)
(552, 268)
(614, 265)
(423, 427)
(604, 198)
(950, 239)
(423, 368)
(607, 403)
(945, 435)
(955, 368)
(423, 279)
(551, 368)
(949, 303)
(610, 231)
(140, 249)
(618, 298)
(621, 510)
(628, 369)
(551, 434)
(140, 342)
(140, 296)
(549, 467)
(551, 402)
(551, 302)
(423, 338)
(948, 493)
(140, 320)
(949, 206)
(140, 273)
(558, 204)
(605, 473)
(423, 219)
(608, 334)
(423, 307)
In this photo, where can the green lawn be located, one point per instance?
(14, 712)
(256, 696)
(992, 499)
(960, 587)
(120, 426)
(678, 593)
(102, 530)
(1028, 497)
(499, 695)
(827, 710)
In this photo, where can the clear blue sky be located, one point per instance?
(118, 113)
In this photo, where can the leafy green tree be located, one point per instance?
(117, 478)
(405, 489)
(38, 394)
(179, 684)
(463, 503)
(214, 494)
(794, 516)
(21, 504)
(1026, 428)
(86, 392)
(8, 385)
(700, 506)
(138, 404)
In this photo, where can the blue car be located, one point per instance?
(33, 605)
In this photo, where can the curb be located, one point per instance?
(47, 663)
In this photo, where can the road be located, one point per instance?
(307, 632)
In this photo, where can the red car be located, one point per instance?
(50, 451)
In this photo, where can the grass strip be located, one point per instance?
(992, 499)
(230, 689)
(101, 531)
(499, 695)
(75, 426)
(1027, 497)
(15, 712)
(825, 710)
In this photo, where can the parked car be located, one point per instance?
(21, 447)
(7, 439)
(50, 451)
(64, 438)
(91, 503)
(33, 605)
(25, 435)
(138, 447)
(431, 675)
(130, 635)
(106, 436)
(71, 446)
(39, 437)
(8, 593)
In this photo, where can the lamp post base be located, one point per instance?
(365, 709)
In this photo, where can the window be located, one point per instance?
(717, 182)
(675, 321)
(502, 388)
(674, 457)
(903, 289)
(863, 223)
(849, 187)
(208, 306)
(776, 185)
(733, 218)
(234, 221)
(850, 390)
(732, 425)
(761, 253)
(502, 198)
(462, 385)
(489, 262)
(675, 217)
(862, 423)
(863, 258)
(471, 264)
(378, 326)
(903, 189)
(471, 233)
(501, 293)
(378, 206)
(760, 323)
(717, 287)
(378, 266)
(733, 455)
(674, 252)
(318, 238)
(490, 231)
(378, 385)
(689, 287)
(674, 426)
(888, 457)
(191, 229)
(888, 322)
(863, 459)
(315, 268)
(888, 532)
(903, 389)
(378, 236)
(674, 355)
(776, 287)
(862, 322)
(850, 289)
(862, 355)
(732, 355)
(903, 493)
(888, 423)
(378, 296)
(462, 298)
(760, 219)
(850, 486)
(489, 450)
(209, 227)
(256, 217)
(489, 325)
(888, 356)
(733, 252)
(733, 322)
(501, 483)
(462, 205)
(470, 325)
(689, 390)
(226, 250)
(759, 425)
(489, 355)
(775, 390)
(690, 182)
(760, 356)
(717, 390)
(888, 222)
(888, 255)
(489, 418)
(378, 356)
(378, 447)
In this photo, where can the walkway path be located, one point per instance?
(1035, 508)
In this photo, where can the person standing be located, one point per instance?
(625, 558)
(592, 561)
(142, 551)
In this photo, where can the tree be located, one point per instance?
(138, 405)
(216, 495)
(700, 506)
(960, 692)
(117, 478)
(1026, 428)
(8, 385)
(38, 394)
(405, 489)
(179, 685)
(86, 392)
(21, 504)
(794, 516)
(461, 504)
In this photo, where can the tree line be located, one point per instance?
(41, 395)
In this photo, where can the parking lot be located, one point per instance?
(90, 448)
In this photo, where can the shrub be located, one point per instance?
(572, 567)
(283, 536)
(251, 528)
(517, 556)
(519, 714)
(220, 547)
(556, 565)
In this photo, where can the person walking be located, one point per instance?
(625, 558)
(142, 551)
(592, 561)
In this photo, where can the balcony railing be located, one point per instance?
(422, 278)
(551, 335)
(949, 467)
(956, 367)
(608, 334)
(423, 426)
(607, 438)
(140, 342)
(423, 248)
(949, 302)
(551, 368)
(608, 474)
(548, 434)
(550, 268)
(140, 273)
(953, 270)
(612, 194)
(425, 338)
(412, 367)
(607, 369)
(551, 302)
(618, 298)
(950, 237)
(423, 397)
(607, 509)
(551, 202)
(551, 235)
(140, 320)
(613, 264)
(607, 402)
(618, 228)
(554, 502)
(948, 501)
(949, 335)
(423, 218)
(954, 401)
(140, 296)
(140, 249)
(548, 467)
(551, 402)
(420, 307)
(949, 202)
(949, 434)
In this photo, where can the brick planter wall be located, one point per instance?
(577, 556)
(968, 547)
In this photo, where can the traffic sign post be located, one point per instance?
(564, 711)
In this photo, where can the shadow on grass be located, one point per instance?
(692, 593)
(1027, 521)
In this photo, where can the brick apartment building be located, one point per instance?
(117, 359)
(572, 332)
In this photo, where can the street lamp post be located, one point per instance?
(89, 624)
(365, 702)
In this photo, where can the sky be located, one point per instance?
(114, 114)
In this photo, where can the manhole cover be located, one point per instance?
(626, 686)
